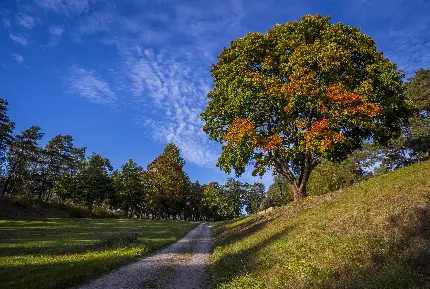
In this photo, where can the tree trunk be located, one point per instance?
(299, 192)
(90, 208)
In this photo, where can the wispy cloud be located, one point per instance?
(83, 82)
(170, 96)
(56, 31)
(6, 23)
(168, 87)
(409, 47)
(18, 58)
(25, 20)
(4, 15)
(93, 23)
(19, 39)
(55, 34)
(67, 8)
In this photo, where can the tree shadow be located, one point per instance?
(71, 274)
(238, 263)
(242, 230)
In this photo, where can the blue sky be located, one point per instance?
(126, 77)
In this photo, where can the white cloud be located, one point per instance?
(65, 7)
(25, 20)
(18, 58)
(56, 31)
(168, 93)
(93, 23)
(408, 47)
(170, 96)
(19, 39)
(84, 83)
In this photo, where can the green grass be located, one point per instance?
(61, 253)
(373, 235)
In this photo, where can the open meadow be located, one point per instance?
(61, 253)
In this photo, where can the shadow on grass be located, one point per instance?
(406, 264)
(242, 231)
(235, 264)
(81, 273)
(401, 261)
(63, 274)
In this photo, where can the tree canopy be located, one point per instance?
(303, 92)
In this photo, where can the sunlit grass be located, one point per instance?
(61, 253)
(373, 235)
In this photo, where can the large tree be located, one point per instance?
(304, 91)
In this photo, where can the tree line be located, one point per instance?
(61, 172)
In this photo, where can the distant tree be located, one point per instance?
(329, 176)
(254, 198)
(279, 193)
(67, 185)
(303, 92)
(413, 145)
(23, 155)
(6, 135)
(94, 182)
(232, 196)
(193, 196)
(212, 201)
(57, 159)
(418, 134)
(223, 202)
(166, 178)
(131, 189)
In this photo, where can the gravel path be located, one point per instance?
(182, 265)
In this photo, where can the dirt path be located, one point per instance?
(182, 265)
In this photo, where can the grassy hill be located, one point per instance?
(375, 234)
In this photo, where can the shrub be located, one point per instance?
(118, 239)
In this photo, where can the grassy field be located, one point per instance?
(373, 235)
(61, 253)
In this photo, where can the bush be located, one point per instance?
(78, 211)
(328, 177)
(102, 212)
(118, 239)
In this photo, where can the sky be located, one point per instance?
(126, 77)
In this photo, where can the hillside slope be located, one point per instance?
(373, 235)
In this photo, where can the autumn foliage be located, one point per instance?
(302, 92)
